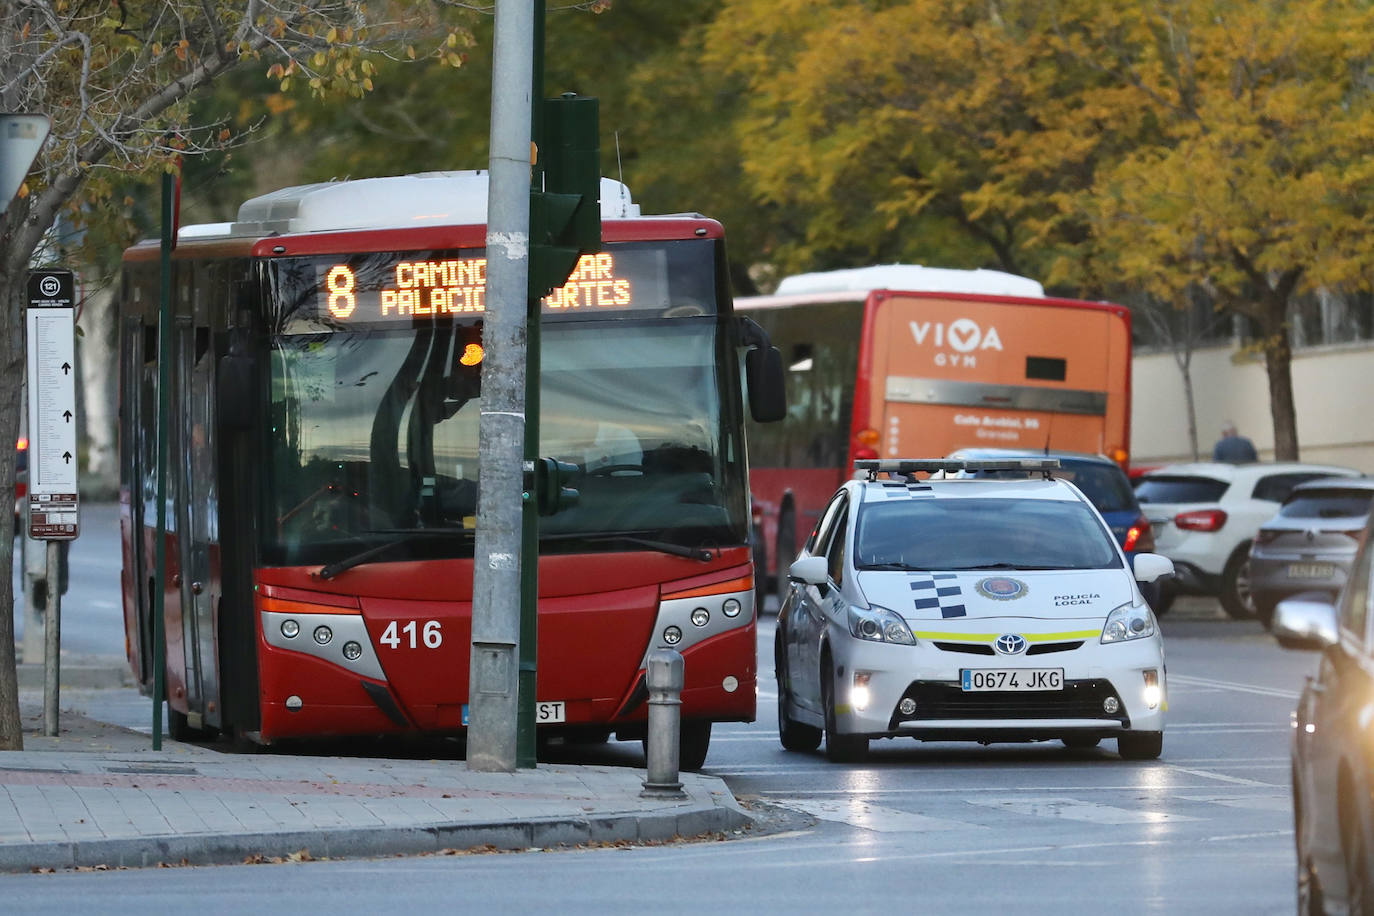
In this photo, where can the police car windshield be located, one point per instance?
(982, 533)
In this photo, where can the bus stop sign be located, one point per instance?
(53, 493)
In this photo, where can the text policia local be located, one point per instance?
(458, 285)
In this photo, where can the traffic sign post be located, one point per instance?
(54, 501)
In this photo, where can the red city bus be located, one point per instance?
(903, 360)
(322, 495)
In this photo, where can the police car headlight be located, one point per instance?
(1129, 622)
(878, 624)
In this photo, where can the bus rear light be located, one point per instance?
(1201, 520)
(290, 629)
(1140, 536)
(731, 607)
(700, 617)
(866, 444)
(672, 635)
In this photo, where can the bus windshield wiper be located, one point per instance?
(398, 536)
(677, 550)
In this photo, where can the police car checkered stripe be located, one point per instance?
(916, 489)
(939, 591)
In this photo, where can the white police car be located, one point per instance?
(967, 609)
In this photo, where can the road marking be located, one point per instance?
(1190, 681)
(1249, 802)
(1237, 780)
(1077, 810)
(858, 813)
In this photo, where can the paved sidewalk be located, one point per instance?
(99, 795)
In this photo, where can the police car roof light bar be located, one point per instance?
(907, 466)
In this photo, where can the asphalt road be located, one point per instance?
(930, 828)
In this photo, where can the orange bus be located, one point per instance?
(903, 360)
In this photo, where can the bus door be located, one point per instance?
(138, 456)
(202, 587)
(952, 373)
(192, 406)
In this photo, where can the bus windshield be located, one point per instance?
(375, 433)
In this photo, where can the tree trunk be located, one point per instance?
(1278, 364)
(1190, 402)
(12, 289)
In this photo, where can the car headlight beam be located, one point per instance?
(878, 624)
(1128, 622)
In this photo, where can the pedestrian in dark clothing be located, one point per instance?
(1232, 447)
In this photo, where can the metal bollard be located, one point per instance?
(662, 746)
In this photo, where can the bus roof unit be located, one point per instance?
(399, 202)
(912, 278)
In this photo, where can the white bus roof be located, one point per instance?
(842, 285)
(402, 201)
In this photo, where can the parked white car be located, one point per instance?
(1205, 515)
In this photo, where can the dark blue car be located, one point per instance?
(1100, 478)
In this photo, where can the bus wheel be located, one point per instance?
(179, 728)
(696, 741)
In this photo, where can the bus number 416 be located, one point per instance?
(430, 634)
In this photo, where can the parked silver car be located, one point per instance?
(1309, 545)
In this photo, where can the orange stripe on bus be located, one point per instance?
(743, 584)
(282, 606)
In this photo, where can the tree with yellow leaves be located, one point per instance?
(115, 80)
(1258, 187)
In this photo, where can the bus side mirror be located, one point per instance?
(237, 391)
(767, 395)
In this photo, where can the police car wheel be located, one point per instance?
(794, 736)
(1080, 742)
(1140, 745)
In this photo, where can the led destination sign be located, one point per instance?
(382, 289)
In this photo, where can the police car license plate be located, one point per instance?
(1310, 570)
(985, 679)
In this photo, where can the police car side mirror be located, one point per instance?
(1150, 567)
(811, 570)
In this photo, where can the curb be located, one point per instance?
(367, 842)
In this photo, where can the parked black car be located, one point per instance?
(1333, 755)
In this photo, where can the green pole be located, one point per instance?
(526, 745)
(164, 357)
